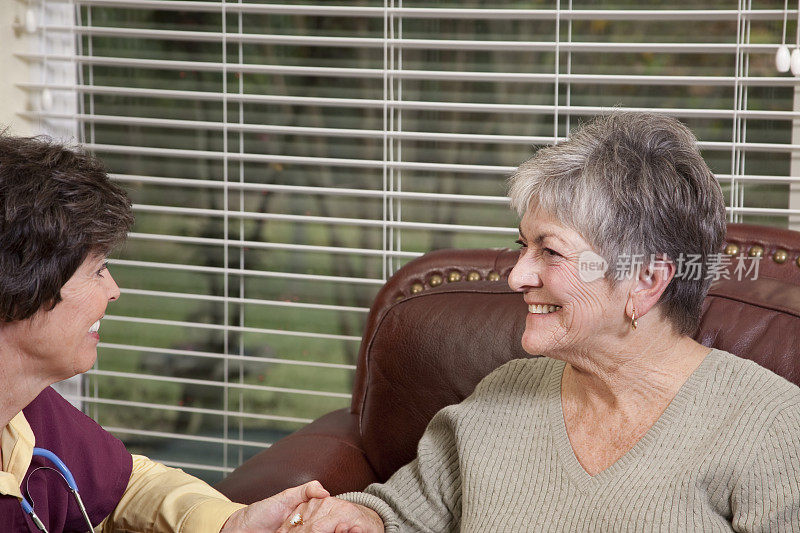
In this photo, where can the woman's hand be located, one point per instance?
(269, 514)
(332, 515)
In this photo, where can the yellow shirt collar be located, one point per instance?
(17, 442)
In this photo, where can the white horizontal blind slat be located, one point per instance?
(427, 44)
(321, 220)
(429, 75)
(245, 272)
(267, 158)
(408, 104)
(222, 327)
(208, 383)
(231, 357)
(367, 134)
(183, 437)
(299, 189)
(199, 410)
(269, 246)
(445, 13)
(248, 301)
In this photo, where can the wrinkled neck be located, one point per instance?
(625, 378)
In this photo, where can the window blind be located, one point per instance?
(285, 159)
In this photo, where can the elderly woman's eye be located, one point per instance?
(521, 243)
(550, 251)
(103, 268)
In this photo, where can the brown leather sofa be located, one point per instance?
(447, 319)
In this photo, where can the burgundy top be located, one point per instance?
(99, 463)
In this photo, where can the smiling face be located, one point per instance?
(62, 342)
(571, 310)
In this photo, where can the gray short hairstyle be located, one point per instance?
(632, 183)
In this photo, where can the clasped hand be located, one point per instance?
(319, 512)
(332, 515)
(269, 514)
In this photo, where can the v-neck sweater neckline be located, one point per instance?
(666, 424)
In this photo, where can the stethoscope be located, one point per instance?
(73, 488)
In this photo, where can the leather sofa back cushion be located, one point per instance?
(430, 357)
(759, 320)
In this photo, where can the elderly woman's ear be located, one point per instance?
(648, 286)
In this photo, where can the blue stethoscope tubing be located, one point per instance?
(68, 477)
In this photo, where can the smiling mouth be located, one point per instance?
(95, 327)
(543, 309)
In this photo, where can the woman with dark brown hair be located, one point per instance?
(60, 216)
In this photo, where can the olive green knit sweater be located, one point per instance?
(724, 455)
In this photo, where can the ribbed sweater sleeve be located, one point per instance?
(424, 495)
(767, 497)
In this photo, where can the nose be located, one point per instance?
(111, 287)
(525, 273)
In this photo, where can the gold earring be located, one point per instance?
(634, 323)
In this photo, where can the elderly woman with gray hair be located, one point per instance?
(626, 423)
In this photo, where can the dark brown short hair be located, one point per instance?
(57, 207)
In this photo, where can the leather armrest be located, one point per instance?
(328, 450)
